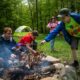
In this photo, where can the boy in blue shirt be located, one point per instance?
(6, 38)
(70, 27)
(6, 44)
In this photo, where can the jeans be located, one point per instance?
(52, 44)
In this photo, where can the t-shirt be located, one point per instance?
(8, 43)
(52, 25)
(26, 39)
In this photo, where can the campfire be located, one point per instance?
(30, 67)
(39, 67)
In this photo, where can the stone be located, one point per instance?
(64, 72)
(51, 59)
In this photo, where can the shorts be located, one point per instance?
(74, 43)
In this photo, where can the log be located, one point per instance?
(51, 59)
(47, 78)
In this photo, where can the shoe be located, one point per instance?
(75, 64)
(53, 50)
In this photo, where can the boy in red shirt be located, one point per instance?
(28, 42)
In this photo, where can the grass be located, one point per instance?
(63, 49)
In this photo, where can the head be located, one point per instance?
(53, 19)
(7, 32)
(34, 34)
(65, 15)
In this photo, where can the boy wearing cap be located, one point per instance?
(70, 27)
(28, 41)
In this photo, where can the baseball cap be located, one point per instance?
(64, 12)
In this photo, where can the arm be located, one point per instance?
(49, 25)
(53, 34)
(30, 48)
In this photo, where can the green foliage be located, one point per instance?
(7, 12)
(34, 13)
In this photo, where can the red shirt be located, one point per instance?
(26, 39)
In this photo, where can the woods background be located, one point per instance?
(33, 13)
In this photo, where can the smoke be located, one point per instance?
(4, 56)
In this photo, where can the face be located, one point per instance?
(54, 19)
(34, 37)
(66, 19)
(8, 34)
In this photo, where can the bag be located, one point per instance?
(73, 28)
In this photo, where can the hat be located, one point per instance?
(64, 12)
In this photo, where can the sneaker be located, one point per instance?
(53, 50)
(75, 64)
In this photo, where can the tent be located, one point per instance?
(23, 29)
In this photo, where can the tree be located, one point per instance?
(33, 13)
(7, 12)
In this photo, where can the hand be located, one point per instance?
(13, 48)
(42, 42)
(34, 51)
(13, 56)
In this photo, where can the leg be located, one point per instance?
(52, 44)
(74, 54)
(74, 47)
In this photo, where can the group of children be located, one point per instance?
(69, 26)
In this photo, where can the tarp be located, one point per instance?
(21, 28)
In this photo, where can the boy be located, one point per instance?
(6, 44)
(70, 27)
(28, 42)
(7, 39)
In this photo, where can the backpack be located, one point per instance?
(73, 28)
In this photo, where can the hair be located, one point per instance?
(54, 17)
(7, 29)
(35, 33)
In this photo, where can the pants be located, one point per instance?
(52, 44)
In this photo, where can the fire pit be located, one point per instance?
(40, 70)
(43, 68)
